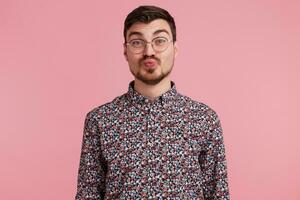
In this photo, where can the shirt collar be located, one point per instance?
(165, 100)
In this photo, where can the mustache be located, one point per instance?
(145, 57)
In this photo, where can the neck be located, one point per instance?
(152, 91)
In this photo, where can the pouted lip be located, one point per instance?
(150, 63)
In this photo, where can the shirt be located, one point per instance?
(169, 148)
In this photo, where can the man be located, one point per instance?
(152, 142)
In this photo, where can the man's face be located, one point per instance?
(150, 66)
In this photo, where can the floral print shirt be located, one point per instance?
(169, 148)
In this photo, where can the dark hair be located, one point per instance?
(146, 14)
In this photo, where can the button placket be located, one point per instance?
(146, 148)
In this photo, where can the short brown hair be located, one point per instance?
(146, 14)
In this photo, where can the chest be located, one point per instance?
(152, 140)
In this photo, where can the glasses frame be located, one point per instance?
(146, 43)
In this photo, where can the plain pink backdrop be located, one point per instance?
(59, 59)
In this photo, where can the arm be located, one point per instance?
(213, 162)
(91, 172)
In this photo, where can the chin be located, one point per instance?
(150, 81)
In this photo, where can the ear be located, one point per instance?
(125, 51)
(175, 49)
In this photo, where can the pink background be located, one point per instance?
(59, 59)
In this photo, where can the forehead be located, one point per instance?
(150, 29)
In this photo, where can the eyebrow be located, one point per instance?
(155, 33)
(160, 31)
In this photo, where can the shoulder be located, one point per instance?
(198, 109)
(107, 110)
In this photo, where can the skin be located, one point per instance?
(151, 82)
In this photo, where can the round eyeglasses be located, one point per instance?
(158, 44)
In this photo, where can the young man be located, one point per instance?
(152, 142)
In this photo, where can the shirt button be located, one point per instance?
(150, 144)
(144, 163)
(185, 135)
(144, 180)
(164, 176)
(143, 145)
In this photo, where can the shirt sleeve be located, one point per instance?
(213, 162)
(92, 168)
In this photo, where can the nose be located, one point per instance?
(149, 51)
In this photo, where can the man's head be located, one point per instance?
(146, 14)
(150, 43)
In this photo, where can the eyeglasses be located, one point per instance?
(158, 44)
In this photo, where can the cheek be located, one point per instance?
(169, 58)
(133, 58)
(133, 61)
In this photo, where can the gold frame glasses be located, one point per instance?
(159, 44)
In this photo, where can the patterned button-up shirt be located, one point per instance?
(169, 148)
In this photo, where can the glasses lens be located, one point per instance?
(136, 46)
(160, 44)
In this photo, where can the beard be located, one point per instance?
(150, 72)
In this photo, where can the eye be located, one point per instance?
(136, 43)
(160, 41)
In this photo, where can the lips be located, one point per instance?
(150, 63)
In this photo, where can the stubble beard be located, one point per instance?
(150, 71)
(151, 81)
